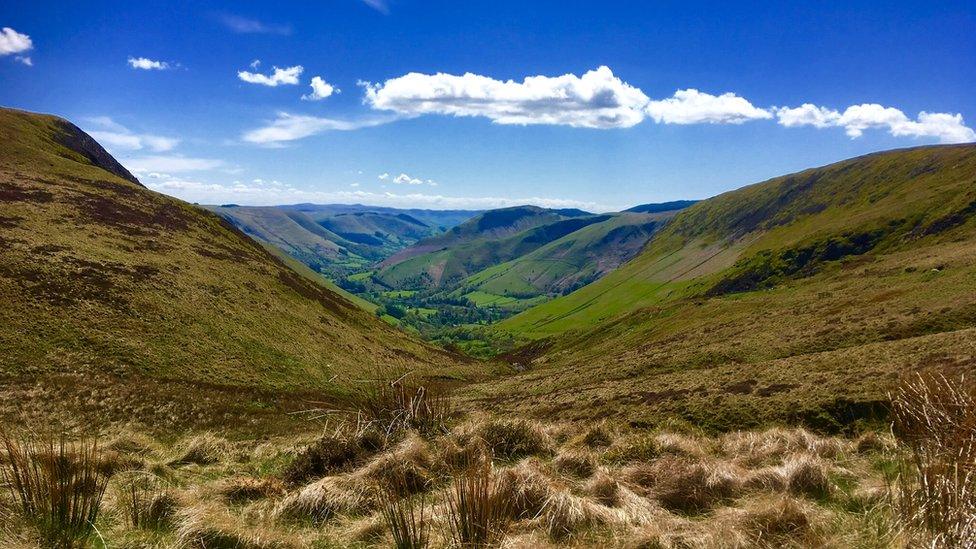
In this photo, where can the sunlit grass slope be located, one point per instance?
(99, 274)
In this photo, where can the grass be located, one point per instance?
(57, 486)
(478, 511)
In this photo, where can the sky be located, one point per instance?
(447, 104)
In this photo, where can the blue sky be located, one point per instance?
(483, 104)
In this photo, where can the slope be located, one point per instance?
(100, 276)
(490, 225)
(572, 261)
(797, 299)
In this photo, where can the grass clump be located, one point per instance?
(407, 519)
(513, 438)
(335, 451)
(934, 493)
(145, 501)
(57, 486)
(478, 512)
(399, 405)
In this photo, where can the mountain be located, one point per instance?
(795, 299)
(662, 206)
(338, 239)
(490, 225)
(572, 261)
(100, 276)
(449, 266)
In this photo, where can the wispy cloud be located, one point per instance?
(244, 25)
(116, 137)
(379, 5)
(146, 64)
(289, 127)
(287, 76)
(262, 192)
(163, 164)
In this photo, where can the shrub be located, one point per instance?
(57, 485)
(477, 512)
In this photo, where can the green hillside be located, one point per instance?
(101, 277)
(449, 266)
(572, 261)
(796, 299)
(783, 228)
(491, 225)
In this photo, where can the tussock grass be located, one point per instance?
(145, 501)
(321, 500)
(511, 439)
(575, 462)
(408, 519)
(525, 489)
(400, 405)
(336, 450)
(242, 489)
(478, 513)
(203, 449)
(58, 486)
(934, 493)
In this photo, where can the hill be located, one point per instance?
(798, 298)
(490, 225)
(572, 261)
(102, 279)
(662, 206)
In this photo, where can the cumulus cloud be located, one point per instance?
(289, 127)
(597, 99)
(147, 64)
(946, 127)
(320, 89)
(273, 192)
(12, 41)
(244, 25)
(694, 107)
(404, 179)
(115, 136)
(286, 76)
(384, 176)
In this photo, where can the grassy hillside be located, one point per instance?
(490, 225)
(448, 267)
(100, 276)
(572, 261)
(796, 299)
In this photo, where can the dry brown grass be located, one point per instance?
(57, 485)
(934, 493)
(407, 518)
(203, 449)
(321, 500)
(242, 489)
(145, 500)
(575, 462)
(510, 439)
(478, 512)
(399, 405)
(336, 450)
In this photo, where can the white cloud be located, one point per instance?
(598, 99)
(287, 76)
(384, 176)
(255, 64)
(163, 164)
(404, 179)
(354, 184)
(115, 136)
(378, 5)
(320, 89)
(147, 64)
(694, 107)
(267, 193)
(12, 41)
(26, 60)
(807, 114)
(289, 127)
(243, 25)
(947, 128)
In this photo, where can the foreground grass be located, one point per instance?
(558, 484)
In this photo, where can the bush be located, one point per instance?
(57, 485)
